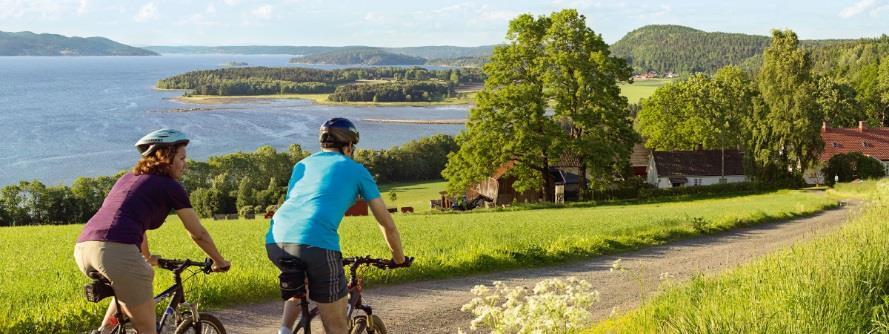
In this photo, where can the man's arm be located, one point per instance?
(387, 226)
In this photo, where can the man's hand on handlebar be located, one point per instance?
(221, 266)
(405, 262)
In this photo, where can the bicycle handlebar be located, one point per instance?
(178, 265)
(379, 263)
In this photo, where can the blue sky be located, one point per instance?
(418, 22)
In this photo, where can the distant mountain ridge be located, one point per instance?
(428, 52)
(26, 43)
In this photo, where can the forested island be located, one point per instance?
(375, 84)
(359, 56)
(27, 43)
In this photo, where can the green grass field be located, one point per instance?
(641, 88)
(42, 287)
(415, 195)
(838, 283)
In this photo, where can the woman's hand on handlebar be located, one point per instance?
(152, 260)
(221, 266)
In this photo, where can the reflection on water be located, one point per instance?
(64, 117)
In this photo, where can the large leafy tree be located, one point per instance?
(581, 79)
(509, 122)
(837, 102)
(786, 135)
(701, 111)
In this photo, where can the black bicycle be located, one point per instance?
(367, 323)
(180, 317)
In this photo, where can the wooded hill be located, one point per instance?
(360, 56)
(679, 49)
(27, 43)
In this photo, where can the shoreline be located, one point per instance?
(317, 99)
(417, 121)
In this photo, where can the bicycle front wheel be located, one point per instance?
(360, 325)
(207, 324)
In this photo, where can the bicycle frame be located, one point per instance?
(176, 291)
(355, 302)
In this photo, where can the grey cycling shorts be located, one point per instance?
(323, 268)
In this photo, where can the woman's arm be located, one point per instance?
(201, 237)
(387, 226)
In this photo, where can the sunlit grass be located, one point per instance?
(838, 283)
(42, 287)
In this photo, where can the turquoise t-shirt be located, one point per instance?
(322, 187)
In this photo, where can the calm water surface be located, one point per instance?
(63, 117)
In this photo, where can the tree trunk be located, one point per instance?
(583, 187)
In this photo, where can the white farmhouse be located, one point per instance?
(695, 168)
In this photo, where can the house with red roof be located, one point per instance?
(872, 142)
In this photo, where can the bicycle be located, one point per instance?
(179, 315)
(369, 322)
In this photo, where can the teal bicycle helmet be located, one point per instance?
(160, 138)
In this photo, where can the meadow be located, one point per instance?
(42, 287)
(640, 89)
(837, 283)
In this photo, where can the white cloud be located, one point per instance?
(857, 8)
(263, 12)
(660, 11)
(879, 11)
(44, 9)
(232, 2)
(148, 12)
(374, 17)
(82, 7)
(211, 9)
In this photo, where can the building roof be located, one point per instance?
(639, 156)
(701, 163)
(873, 142)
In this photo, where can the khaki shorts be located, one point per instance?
(130, 275)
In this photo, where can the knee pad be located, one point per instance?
(292, 284)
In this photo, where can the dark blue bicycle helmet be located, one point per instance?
(338, 130)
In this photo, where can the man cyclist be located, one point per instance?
(321, 188)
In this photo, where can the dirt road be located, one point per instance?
(434, 306)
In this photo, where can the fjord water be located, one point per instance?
(64, 117)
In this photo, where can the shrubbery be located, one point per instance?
(396, 91)
(852, 166)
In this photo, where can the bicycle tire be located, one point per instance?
(360, 325)
(207, 323)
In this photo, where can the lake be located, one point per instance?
(64, 117)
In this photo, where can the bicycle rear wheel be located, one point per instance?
(360, 325)
(207, 324)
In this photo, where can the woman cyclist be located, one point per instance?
(113, 241)
(322, 187)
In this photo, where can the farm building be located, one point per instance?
(694, 168)
(872, 142)
(499, 186)
(639, 160)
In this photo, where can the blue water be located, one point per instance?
(64, 117)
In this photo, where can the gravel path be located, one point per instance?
(434, 306)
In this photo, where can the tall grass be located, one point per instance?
(837, 283)
(41, 287)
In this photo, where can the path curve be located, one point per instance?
(434, 306)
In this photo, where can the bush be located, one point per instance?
(852, 166)
(245, 210)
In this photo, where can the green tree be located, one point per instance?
(509, 122)
(580, 78)
(787, 133)
(245, 193)
(837, 101)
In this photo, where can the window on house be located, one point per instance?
(697, 182)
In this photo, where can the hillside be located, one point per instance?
(444, 51)
(681, 49)
(359, 56)
(27, 43)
